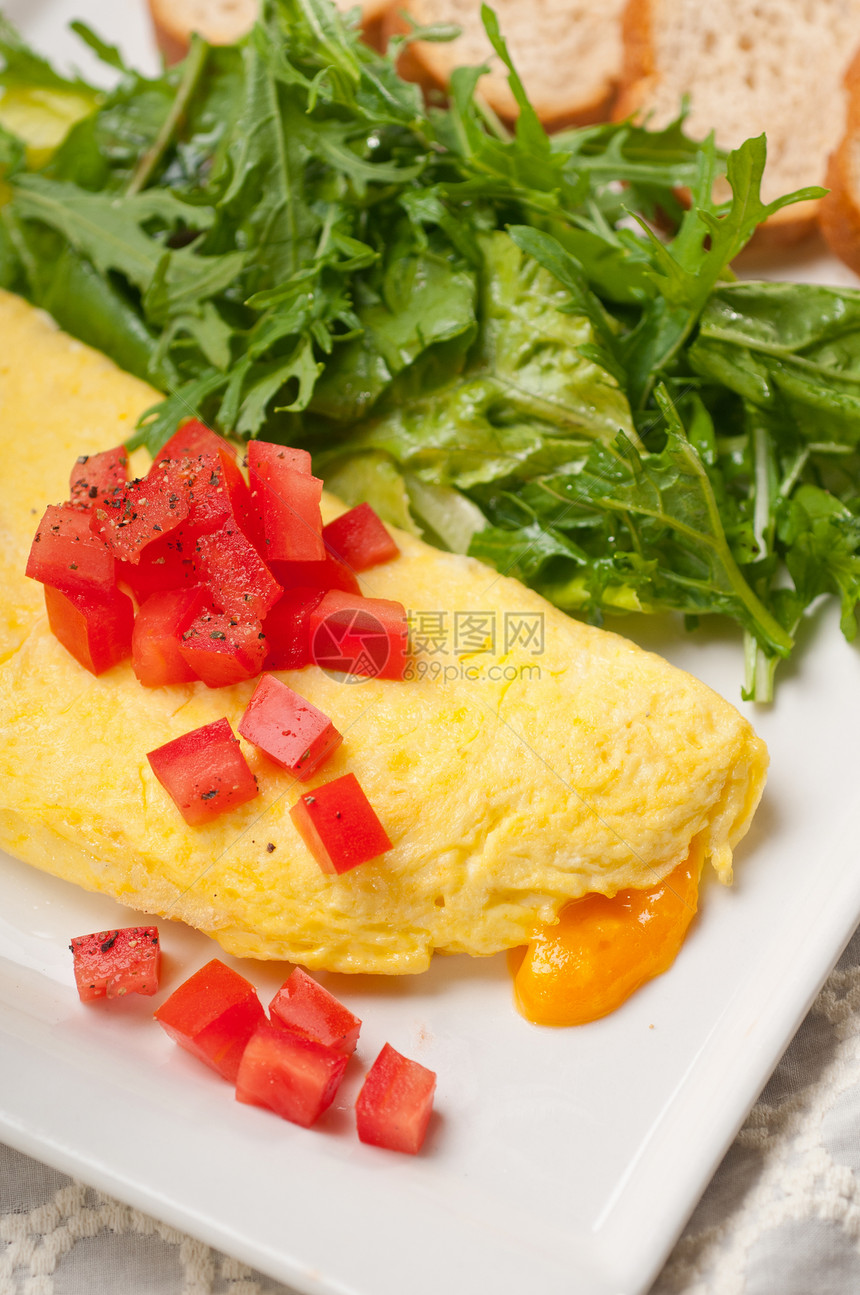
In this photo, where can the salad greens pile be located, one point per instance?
(520, 346)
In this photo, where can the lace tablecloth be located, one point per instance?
(781, 1217)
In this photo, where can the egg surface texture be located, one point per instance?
(529, 760)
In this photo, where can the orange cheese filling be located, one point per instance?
(601, 949)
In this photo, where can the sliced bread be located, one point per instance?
(774, 65)
(224, 21)
(839, 216)
(568, 53)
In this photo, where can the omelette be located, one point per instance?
(527, 761)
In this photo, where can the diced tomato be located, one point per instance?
(394, 1106)
(212, 1015)
(95, 630)
(262, 455)
(291, 731)
(303, 1006)
(158, 629)
(359, 538)
(217, 491)
(209, 502)
(194, 438)
(204, 772)
(352, 635)
(287, 501)
(96, 477)
(294, 1077)
(337, 823)
(288, 629)
(145, 510)
(239, 579)
(66, 555)
(222, 650)
(167, 563)
(325, 575)
(111, 964)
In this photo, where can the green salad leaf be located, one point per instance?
(523, 347)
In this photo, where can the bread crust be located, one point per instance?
(431, 64)
(839, 212)
(173, 29)
(639, 76)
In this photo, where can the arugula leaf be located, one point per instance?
(790, 349)
(689, 268)
(822, 539)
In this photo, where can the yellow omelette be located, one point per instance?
(529, 760)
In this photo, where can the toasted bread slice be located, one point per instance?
(839, 215)
(776, 66)
(568, 53)
(224, 21)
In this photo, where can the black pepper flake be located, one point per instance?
(217, 634)
(93, 492)
(208, 795)
(73, 566)
(337, 813)
(271, 847)
(109, 942)
(156, 527)
(82, 458)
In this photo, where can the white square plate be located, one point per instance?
(560, 1160)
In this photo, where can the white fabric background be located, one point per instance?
(781, 1217)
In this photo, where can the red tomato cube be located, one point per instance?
(287, 501)
(145, 510)
(291, 731)
(303, 1006)
(66, 555)
(262, 454)
(288, 629)
(352, 635)
(217, 491)
(209, 501)
(394, 1106)
(96, 631)
(96, 477)
(212, 1015)
(194, 438)
(222, 650)
(359, 539)
(158, 628)
(167, 563)
(204, 772)
(111, 964)
(294, 1077)
(338, 825)
(325, 575)
(239, 579)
